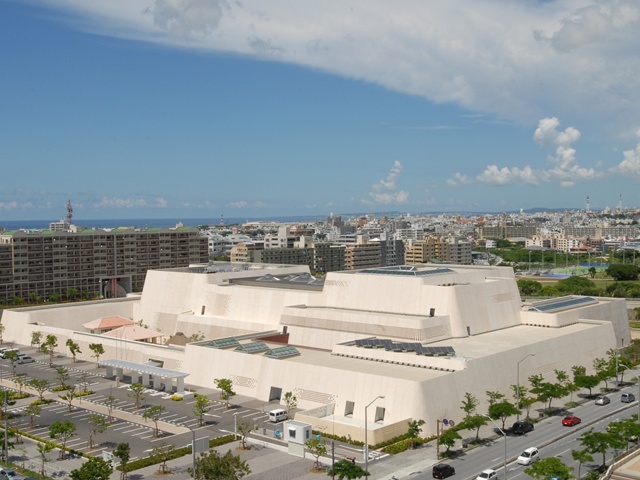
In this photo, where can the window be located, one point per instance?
(348, 409)
(292, 433)
(379, 414)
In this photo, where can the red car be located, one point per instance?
(571, 420)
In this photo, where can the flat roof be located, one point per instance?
(144, 368)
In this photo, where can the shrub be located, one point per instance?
(176, 398)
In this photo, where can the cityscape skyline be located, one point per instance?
(169, 109)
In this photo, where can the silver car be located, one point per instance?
(602, 400)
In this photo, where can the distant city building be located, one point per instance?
(93, 262)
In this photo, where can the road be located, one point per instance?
(551, 438)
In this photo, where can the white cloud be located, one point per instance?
(505, 175)
(491, 57)
(547, 134)
(385, 191)
(116, 202)
(239, 204)
(630, 165)
(8, 205)
(564, 169)
(161, 202)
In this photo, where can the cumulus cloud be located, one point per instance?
(238, 204)
(386, 191)
(563, 170)
(161, 202)
(630, 164)
(117, 202)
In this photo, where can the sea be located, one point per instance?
(142, 223)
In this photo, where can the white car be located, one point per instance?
(488, 475)
(529, 456)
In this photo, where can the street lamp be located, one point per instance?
(366, 445)
(505, 443)
(518, 385)
(638, 399)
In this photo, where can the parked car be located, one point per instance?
(529, 456)
(627, 398)
(602, 400)
(488, 475)
(520, 428)
(25, 359)
(443, 470)
(7, 473)
(571, 420)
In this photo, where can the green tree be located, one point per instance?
(6, 400)
(62, 375)
(449, 437)
(290, 401)
(469, 404)
(603, 370)
(123, 452)
(34, 297)
(162, 454)
(545, 391)
(110, 402)
(48, 347)
(529, 287)
(136, 391)
(154, 413)
(12, 356)
(97, 424)
(39, 386)
(344, 469)
(494, 397)
(74, 348)
(317, 448)
(581, 456)
(72, 293)
(201, 407)
(32, 410)
(415, 428)
(97, 350)
(225, 385)
(599, 442)
(551, 467)
(244, 428)
(525, 399)
(69, 396)
(61, 432)
(474, 422)
(93, 469)
(621, 272)
(43, 449)
(36, 338)
(212, 465)
(592, 274)
(502, 410)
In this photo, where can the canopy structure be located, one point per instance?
(134, 332)
(104, 324)
(146, 374)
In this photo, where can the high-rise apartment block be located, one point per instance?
(92, 262)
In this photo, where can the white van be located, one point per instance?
(3, 351)
(278, 415)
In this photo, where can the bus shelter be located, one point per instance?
(147, 374)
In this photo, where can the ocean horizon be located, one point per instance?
(142, 223)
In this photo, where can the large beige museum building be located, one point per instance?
(420, 336)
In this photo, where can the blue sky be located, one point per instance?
(202, 108)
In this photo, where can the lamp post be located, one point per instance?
(366, 445)
(518, 385)
(638, 399)
(505, 443)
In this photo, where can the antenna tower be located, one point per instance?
(620, 203)
(69, 216)
(588, 206)
(222, 220)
